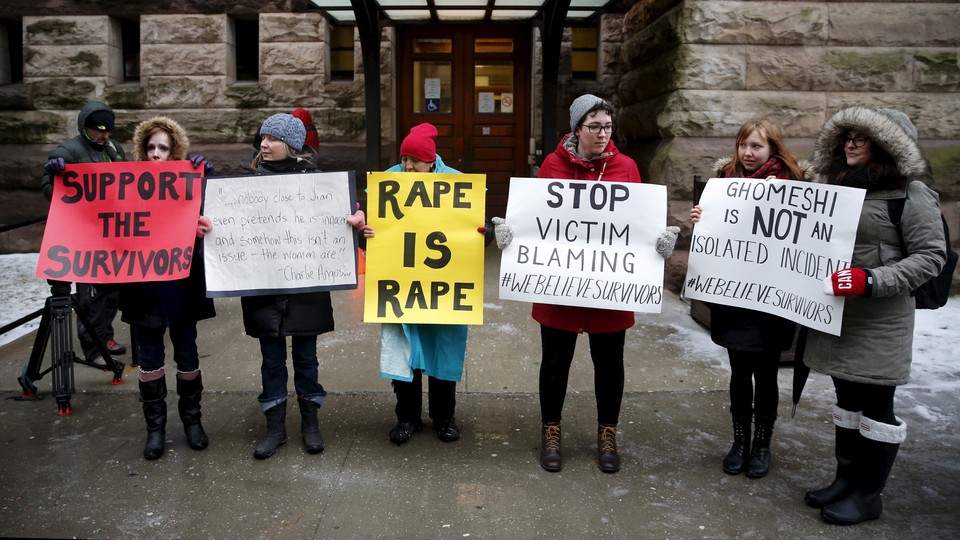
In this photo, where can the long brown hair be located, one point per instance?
(774, 137)
(881, 164)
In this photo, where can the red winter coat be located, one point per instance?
(564, 165)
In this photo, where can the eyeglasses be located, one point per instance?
(856, 141)
(597, 128)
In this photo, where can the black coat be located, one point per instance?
(301, 314)
(741, 329)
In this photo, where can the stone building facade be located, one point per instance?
(684, 74)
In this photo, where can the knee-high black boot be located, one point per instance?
(189, 408)
(310, 426)
(847, 450)
(276, 431)
(153, 395)
(879, 451)
(759, 463)
(736, 460)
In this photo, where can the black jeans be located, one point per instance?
(99, 303)
(871, 400)
(606, 351)
(441, 393)
(183, 336)
(747, 367)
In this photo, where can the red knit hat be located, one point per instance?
(420, 144)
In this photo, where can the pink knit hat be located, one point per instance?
(420, 144)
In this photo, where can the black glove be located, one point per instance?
(207, 166)
(55, 166)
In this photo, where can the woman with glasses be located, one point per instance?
(874, 150)
(754, 340)
(586, 153)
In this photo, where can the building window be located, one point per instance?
(130, 45)
(247, 49)
(584, 52)
(11, 52)
(341, 53)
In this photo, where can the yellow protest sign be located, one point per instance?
(425, 262)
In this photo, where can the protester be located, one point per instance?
(151, 308)
(586, 153)
(302, 316)
(874, 150)
(753, 339)
(437, 350)
(98, 302)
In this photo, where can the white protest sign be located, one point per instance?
(767, 244)
(584, 243)
(283, 233)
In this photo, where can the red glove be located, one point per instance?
(848, 282)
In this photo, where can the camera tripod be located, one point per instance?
(56, 327)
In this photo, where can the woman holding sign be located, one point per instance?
(754, 340)
(302, 316)
(151, 308)
(586, 153)
(875, 150)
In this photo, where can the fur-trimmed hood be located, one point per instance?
(178, 135)
(889, 128)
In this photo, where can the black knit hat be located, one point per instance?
(101, 120)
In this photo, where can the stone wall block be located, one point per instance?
(720, 67)
(895, 24)
(294, 58)
(167, 29)
(934, 116)
(192, 92)
(37, 127)
(655, 78)
(651, 41)
(340, 125)
(291, 27)
(936, 71)
(57, 61)
(758, 23)
(89, 30)
(644, 12)
(183, 59)
(829, 69)
(64, 93)
(715, 113)
(293, 90)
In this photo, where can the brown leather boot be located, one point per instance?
(550, 458)
(608, 460)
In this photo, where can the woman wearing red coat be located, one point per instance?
(586, 153)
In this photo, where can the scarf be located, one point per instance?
(867, 178)
(772, 167)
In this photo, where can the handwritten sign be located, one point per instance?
(767, 244)
(580, 243)
(283, 233)
(121, 222)
(425, 264)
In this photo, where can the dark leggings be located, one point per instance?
(871, 400)
(606, 351)
(747, 367)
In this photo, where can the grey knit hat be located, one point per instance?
(581, 106)
(287, 128)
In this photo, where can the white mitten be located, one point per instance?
(502, 231)
(666, 241)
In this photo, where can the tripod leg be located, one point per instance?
(31, 372)
(61, 352)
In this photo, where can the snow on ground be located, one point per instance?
(935, 366)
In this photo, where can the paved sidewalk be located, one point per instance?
(82, 475)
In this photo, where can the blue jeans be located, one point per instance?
(273, 370)
(183, 336)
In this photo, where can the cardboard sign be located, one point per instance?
(584, 243)
(767, 244)
(280, 234)
(425, 262)
(121, 222)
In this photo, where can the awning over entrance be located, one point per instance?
(341, 11)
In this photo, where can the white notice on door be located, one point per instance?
(485, 104)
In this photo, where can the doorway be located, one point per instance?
(473, 83)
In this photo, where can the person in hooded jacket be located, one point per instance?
(302, 316)
(92, 144)
(152, 308)
(875, 150)
(586, 153)
(437, 350)
(754, 340)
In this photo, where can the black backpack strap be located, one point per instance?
(895, 209)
